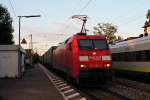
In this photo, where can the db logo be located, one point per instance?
(94, 53)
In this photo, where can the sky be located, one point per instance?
(55, 24)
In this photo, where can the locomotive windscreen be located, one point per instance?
(92, 44)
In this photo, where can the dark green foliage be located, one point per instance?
(35, 58)
(148, 15)
(147, 22)
(119, 38)
(6, 28)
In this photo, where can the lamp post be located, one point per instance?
(20, 23)
(19, 58)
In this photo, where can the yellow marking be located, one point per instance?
(148, 30)
(139, 69)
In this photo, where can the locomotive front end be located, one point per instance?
(94, 60)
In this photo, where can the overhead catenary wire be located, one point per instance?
(67, 26)
(133, 21)
(75, 7)
(12, 7)
(85, 6)
(72, 13)
(132, 18)
(132, 12)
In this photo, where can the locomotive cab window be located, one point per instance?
(100, 44)
(85, 44)
(92, 44)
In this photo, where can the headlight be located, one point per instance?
(107, 66)
(83, 58)
(83, 66)
(108, 57)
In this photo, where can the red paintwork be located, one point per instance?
(66, 60)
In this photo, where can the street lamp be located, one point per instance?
(19, 58)
(20, 23)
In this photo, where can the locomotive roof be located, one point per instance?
(89, 36)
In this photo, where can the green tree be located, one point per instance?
(119, 38)
(108, 30)
(148, 15)
(147, 22)
(35, 57)
(6, 28)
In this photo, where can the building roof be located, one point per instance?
(11, 48)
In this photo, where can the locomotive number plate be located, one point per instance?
(94, 57)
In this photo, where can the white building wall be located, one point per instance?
(8, 64)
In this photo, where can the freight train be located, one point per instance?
(83, 57)
(132, 56)
(47, 58)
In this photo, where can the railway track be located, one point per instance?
(103, 94)
(121, 89)
(142, 90)
(134, 84)
(67, 91)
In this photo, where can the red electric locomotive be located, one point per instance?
(84, 57)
